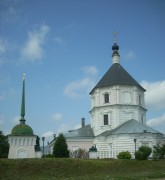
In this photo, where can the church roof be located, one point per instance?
(116, 75)
(130, 127)
(83, 132)
(22, 129)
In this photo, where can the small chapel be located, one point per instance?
(22, 141)
(117, 116)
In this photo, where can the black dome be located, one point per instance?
(115, 47)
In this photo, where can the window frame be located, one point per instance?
(106, 98)
(106, 119)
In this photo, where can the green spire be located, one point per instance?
(22, 120)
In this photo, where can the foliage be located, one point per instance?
(80, 153)
(158, 152)
(48, 156)
(37, 146)
(60, 149)
(4, 146)
(143, 153)
(124, 155)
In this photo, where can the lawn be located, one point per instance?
(108, 169)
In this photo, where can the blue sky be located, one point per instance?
(64, 47)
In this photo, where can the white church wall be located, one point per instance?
(21, 147)
(125, 103)
(111, 146)
(74, 144)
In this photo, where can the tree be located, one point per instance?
(37, 146)
(60, 149)
(4, 146)
(158, 152)
(143, 153)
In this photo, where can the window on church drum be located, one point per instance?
(142, 118)
(106, 119)
(140, 100)
(106, 98)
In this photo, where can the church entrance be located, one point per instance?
(22, 153)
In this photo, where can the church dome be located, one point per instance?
(115, 47)
(22, 129)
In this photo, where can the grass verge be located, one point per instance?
(54, 168)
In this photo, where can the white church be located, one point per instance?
(117, 116)
(22, 140)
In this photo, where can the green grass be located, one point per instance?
(80, 169)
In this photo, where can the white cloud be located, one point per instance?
(78, 88)
(83, 86)
(57, 116)
(63, 128)
(155, 94)
(59, 40)
(77, 126)
(10, 11)
(90, 70)
(158, 122)
(15, 120)
(128, 54)
(48, 134)
(33, 48)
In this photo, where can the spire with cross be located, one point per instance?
(22, 120)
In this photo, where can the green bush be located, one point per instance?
(143, 153)
(48, 156)
(124, 155)
(158, 152)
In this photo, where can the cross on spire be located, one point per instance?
(114, 34)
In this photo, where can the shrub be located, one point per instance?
(143, 153)
(80, 153)
(158, 152)
(48, 156)
(124, 155)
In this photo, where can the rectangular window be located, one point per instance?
(106, 119)
(140, 101)
(142, 118)
(106, 98)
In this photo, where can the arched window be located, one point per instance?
(106, 98)
(105, 119)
